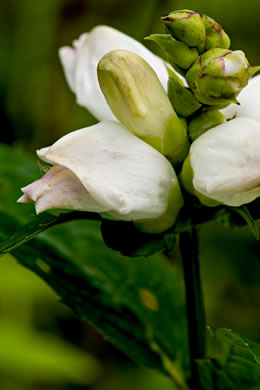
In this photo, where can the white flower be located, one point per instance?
(103, 168)
(226, 162)
(80, 66)
(249, 99)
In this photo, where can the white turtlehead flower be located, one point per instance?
(226, 162)
(249, 99)
(80, 66)
(103, 168)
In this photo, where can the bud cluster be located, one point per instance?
(197, 48)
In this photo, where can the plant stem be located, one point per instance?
(194, 302)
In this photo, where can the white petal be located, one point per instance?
(249, 99)
(120, 172)
(68, 60)
(226, 162)
(82, 74)
(59, 188)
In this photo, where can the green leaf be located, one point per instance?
(16, 170)
(229, 217)
(245, 214)
(39, 224)
(255, 348)
(137, 379)
(138, 305)
(231, 363)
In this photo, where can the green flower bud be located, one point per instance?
(178, 53)
(218, 76)
(203, 122)
(215, 35)
(168, 219)
(186, 26)
(135, 94)
(182, 99)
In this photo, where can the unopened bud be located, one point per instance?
(178, 53)
(134, 94)
(215, 35)
(203, 122)
(186, 26)
(218, 76)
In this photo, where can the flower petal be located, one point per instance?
(226, 160)
(249, 99)
(59, 188)
(120, 172)
(80, 66)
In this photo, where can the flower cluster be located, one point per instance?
(125, 165)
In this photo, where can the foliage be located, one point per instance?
(138, 304)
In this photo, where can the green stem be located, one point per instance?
(194, 302)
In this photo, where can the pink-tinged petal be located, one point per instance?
(59, 188)
(121, 173)
(90, 48)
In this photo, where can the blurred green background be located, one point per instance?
(43, 345)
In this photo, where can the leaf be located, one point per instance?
(40, 224)
(255, 348)
(137, 305)
(238, 216)
(245, 214)
(137, 379)
(16, 170)
(231, 363)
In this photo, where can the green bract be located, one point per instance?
(178, 53)
(203, 122)
(182, 99)
(218, 76)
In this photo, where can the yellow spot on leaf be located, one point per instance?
(148, 299)
(43, 266)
